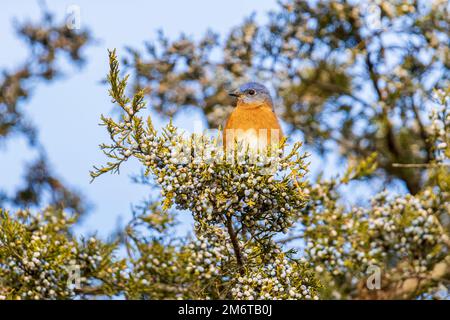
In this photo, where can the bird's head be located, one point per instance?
(252, 95)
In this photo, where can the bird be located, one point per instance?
(253, 122)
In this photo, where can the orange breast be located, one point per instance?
(253, 126)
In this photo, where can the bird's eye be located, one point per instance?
(251, 92)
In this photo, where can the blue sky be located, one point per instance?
(67, 112)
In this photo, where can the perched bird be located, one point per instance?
(253, 122)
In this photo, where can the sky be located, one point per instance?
(67, 111)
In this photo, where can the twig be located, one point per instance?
(289, 239)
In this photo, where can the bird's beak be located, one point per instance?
(234, 93)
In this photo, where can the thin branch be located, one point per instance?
(235, 243)
(289, 239)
